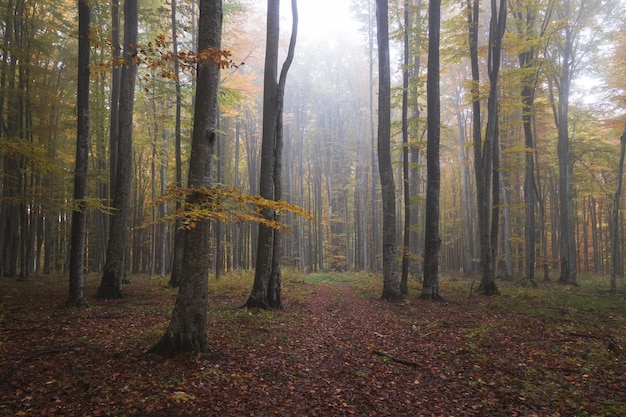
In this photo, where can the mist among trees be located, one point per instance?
(531, 115)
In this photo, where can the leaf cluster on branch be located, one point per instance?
(159, 59)
(227, 205)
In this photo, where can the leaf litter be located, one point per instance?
(333, 350)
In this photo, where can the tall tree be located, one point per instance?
(406, 189)
(79, 212)
(526, 15)
(114, 267)
(571, 17)
(187, 329)
(266, 290)
(9, 210)
(116, 73)
(615, 213)
(391, 284)
(179, 232)
(432, 240)
(485, 151)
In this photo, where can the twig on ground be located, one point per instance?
(395, 359)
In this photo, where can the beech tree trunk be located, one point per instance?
(179, 233)
(114, 267)
(615, 241)
(267, 278)
(432, 240)
(187, 329)
(79, 214)
(406, 189)
(485, 163)
(391, 284)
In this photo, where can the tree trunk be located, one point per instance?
(432, 239)
(116, 73)
(266, 288)
(79, 214)
(406, 243)
(374, 204)
(114, 268)
(486, 171)
(615, 213)
(179, 233)
(391, 284)
(187, 329)
(561, 78)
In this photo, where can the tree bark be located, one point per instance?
(432, 239)
(406, 242)
(114, 267)
(487, 183)
(187, 329)
(179, 233)
(79, 214)
(266, 288)
(391, 284)
(615, 213)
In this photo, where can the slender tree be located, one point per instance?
(571, 16)
(266, 290)
(79, 213)
(187, 329)
(485, 158)
(406, 241)
(114, 267)
(116, 73)
(391, 283)
(615, 213)
(432, 240)
(179, 232)
(526, 15)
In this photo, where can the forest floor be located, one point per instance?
(335, 349)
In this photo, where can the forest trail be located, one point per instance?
(335, 349)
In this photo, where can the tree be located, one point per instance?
(486, 152)
(570, 43)
(266, 290)
(432, 240)
(114, 267)
(114, 103)
(406, 243)
(79, 213)
(187, 329)
(391, 284)
(179, 232)
(615, 213)
(526, 15)
(563, 79)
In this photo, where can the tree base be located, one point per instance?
(256, 304)
(391, 295)
(488, 289)
(108, 292)
(171, 344)
(78, 303)
(431, 297)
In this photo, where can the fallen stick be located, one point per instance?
(395, 359)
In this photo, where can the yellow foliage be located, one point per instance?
(227, 205)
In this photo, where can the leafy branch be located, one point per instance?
(227, 205)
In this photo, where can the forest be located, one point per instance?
(163, 161)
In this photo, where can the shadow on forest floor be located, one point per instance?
(335, 349)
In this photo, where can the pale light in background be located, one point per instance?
(319, 19)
